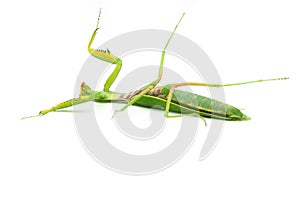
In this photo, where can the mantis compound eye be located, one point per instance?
(85, 90)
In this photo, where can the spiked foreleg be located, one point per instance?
(86, 95)
(105, 55)
(69, 103)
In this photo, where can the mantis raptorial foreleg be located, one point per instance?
(68, 103)
(86, 95)
(150, 86)
(65, 104)
(105, 55)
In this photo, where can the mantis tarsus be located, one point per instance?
(169, 99)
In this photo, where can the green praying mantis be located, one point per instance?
(167, 97)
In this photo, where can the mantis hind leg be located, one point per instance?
(227, 85)
(168, 103)
(173, 86)
(150, 86)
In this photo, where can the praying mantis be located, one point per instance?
(166, 97)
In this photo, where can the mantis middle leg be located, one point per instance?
(150, 86)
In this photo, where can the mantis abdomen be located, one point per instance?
(186, 103)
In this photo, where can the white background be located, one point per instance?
(43, 46)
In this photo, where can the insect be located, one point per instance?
(167, 97)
